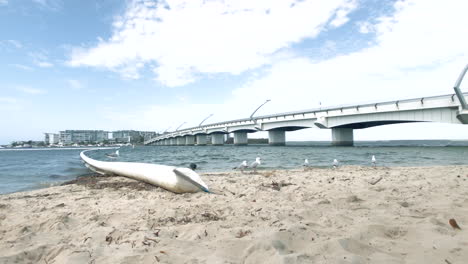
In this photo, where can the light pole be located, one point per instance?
(251, 116)
(205, 119)
(180, 126)
(460, 96)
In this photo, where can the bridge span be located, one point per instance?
(342, 120)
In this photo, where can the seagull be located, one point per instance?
(113, 155)
(306, 164)
(255, 164)
(242, 166)
(335, 163)
(374, 162)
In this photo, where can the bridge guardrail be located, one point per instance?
(303, 112)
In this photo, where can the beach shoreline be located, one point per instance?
(352, 214)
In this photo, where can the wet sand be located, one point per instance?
(348, 215)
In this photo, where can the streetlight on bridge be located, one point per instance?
(460, 95)
(251, 116)
(205, 119)
(180, 126)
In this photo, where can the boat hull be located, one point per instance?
(177, 180)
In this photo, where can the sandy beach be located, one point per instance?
(348, 215)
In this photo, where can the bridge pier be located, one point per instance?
(240, 138)
(201, 140)
(172, 141)
(166, 142)
(217, 139)
(180, 141)
(277, 137)
(342, 137)
(462, 115)
(189, 140)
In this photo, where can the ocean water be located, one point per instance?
(27, 169)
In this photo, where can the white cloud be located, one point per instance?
(180, 39)
(411, 58)
(9, 100)
(8, 104)
(15, 43)
(44, 64)
(53, 5)
(10, 45)
(3, 2)
(152, 117)
(30, 90)
(419, 52)
(23, 67)
(365, 27)
(41, 2)
(41, 59)
(75, 84)
(341, 16)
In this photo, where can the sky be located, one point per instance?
(158, 65)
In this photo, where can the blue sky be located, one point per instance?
(152, 65)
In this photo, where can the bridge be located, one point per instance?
(342, 120)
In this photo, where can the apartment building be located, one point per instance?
(51, 138)
(87, 136)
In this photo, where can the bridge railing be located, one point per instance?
(315, 111)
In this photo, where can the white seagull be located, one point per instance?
(335, 163)
(113, 155)
(306, 164)
(242, 166)
(255, 164)
(374, 162)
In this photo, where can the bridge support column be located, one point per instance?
(201, 140)
(240, 138)
(342, 137)
(172, 141)
(180, 141)
(166, 142)
(462, 115)
(277, 137)
(189, 140)
(217, 139)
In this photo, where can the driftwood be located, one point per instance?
(376, 181)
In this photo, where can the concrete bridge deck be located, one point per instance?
(342, 120)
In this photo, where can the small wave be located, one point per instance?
(75, 170)
(36, 186)
(427, 158)
(56, 176)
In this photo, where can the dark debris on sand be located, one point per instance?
(96, 181)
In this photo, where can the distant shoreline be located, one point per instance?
(57, 148)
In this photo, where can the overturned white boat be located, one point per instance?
(178, 180)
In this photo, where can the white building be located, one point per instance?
(82, 136)
(51, 138)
